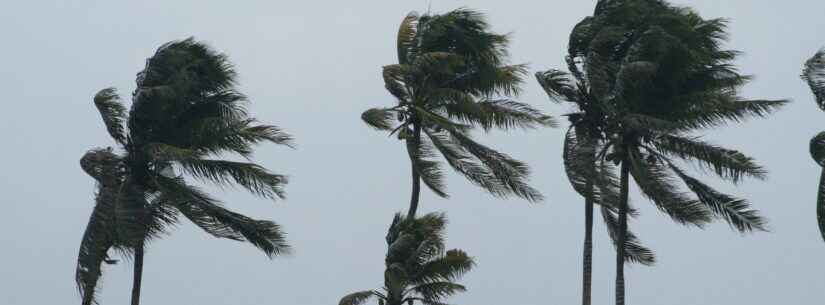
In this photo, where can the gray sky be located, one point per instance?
(312, 67)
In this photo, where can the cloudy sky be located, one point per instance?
(312, 67)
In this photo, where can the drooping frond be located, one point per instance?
(465, 163)
(406, 38)
(449, 267)
(720, 108)
(814, 74)
(99, 237)
(658, 185)
(817, 148)
(113, 113)
(253, 177)
(633, 249)
(379, 118)
(437, 290)
(558, 85)
(209, 215)
(728, 164)
(422, 157)
(735, 211)
(357, 298)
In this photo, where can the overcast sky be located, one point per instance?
(311, 67)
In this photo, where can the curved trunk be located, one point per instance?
(138, 275)
(587, 272)
(622, 240)
(416, 177)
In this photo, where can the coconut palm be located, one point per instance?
(452, 78)
(418, 267)
(185, 113)
(814, 74)
(662, 76)
(589, 178)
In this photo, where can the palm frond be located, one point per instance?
(437, 290)
(558, 85)
(817, 148)
(99, 236)
(506, 114)
(465, 163)
(422, 157)
(814, 75)
(357, 298)
(735, 211)
(449, 267)
(406, 38)
(113, 113)
(633, 249)
(254, 178)
(659, 186)
(208, 214)
(379, 118)
(820, 204)
(727, 164)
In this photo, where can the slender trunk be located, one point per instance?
(587, 273)
(820, 208)
(416, 177)
(622, 234)
(138, 274)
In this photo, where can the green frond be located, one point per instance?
(659, 186)
(437, 290)
(395, 77)
(727, 164)
(113, 113)
(357, 298)
(717, 109)
(634, 251)
(449, 267)
(379, 118)
(132, 214)
(209, 215)
(507, 114)
(254, 178)
(422, 157)
(558, 85)
(100, 236)
(736, 212)
(406, 38)
(814, 75)
(465, 163)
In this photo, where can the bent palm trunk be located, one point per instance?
(416, 176)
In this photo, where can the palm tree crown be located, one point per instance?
(185, 113)
(451, 78)
(417, 266)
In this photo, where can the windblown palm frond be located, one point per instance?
(814, 75)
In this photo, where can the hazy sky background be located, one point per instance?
(312, 67)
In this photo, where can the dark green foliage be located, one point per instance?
(452, 78)
(185, 114)
(814, 75)
(418, 268)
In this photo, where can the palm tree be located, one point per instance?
(451, 78)
(418, 267)
(661, 76)
(589, 178)
(814, 74)
(185, 113)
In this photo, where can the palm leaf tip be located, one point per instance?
(112, 112)
(814, 75)
(378, 118)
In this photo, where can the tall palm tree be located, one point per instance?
(814, 74)
(186, 112)
(589, 178)
(418, 267)
(661, 75)
(451, 78)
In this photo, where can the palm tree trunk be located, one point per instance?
(587, 273)
(138, 274)
(416, 177)
(622, 233)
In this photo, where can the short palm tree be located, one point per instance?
(451, 78)
(185, 112)
(661, 75)
(418, 267)
(814, 74)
